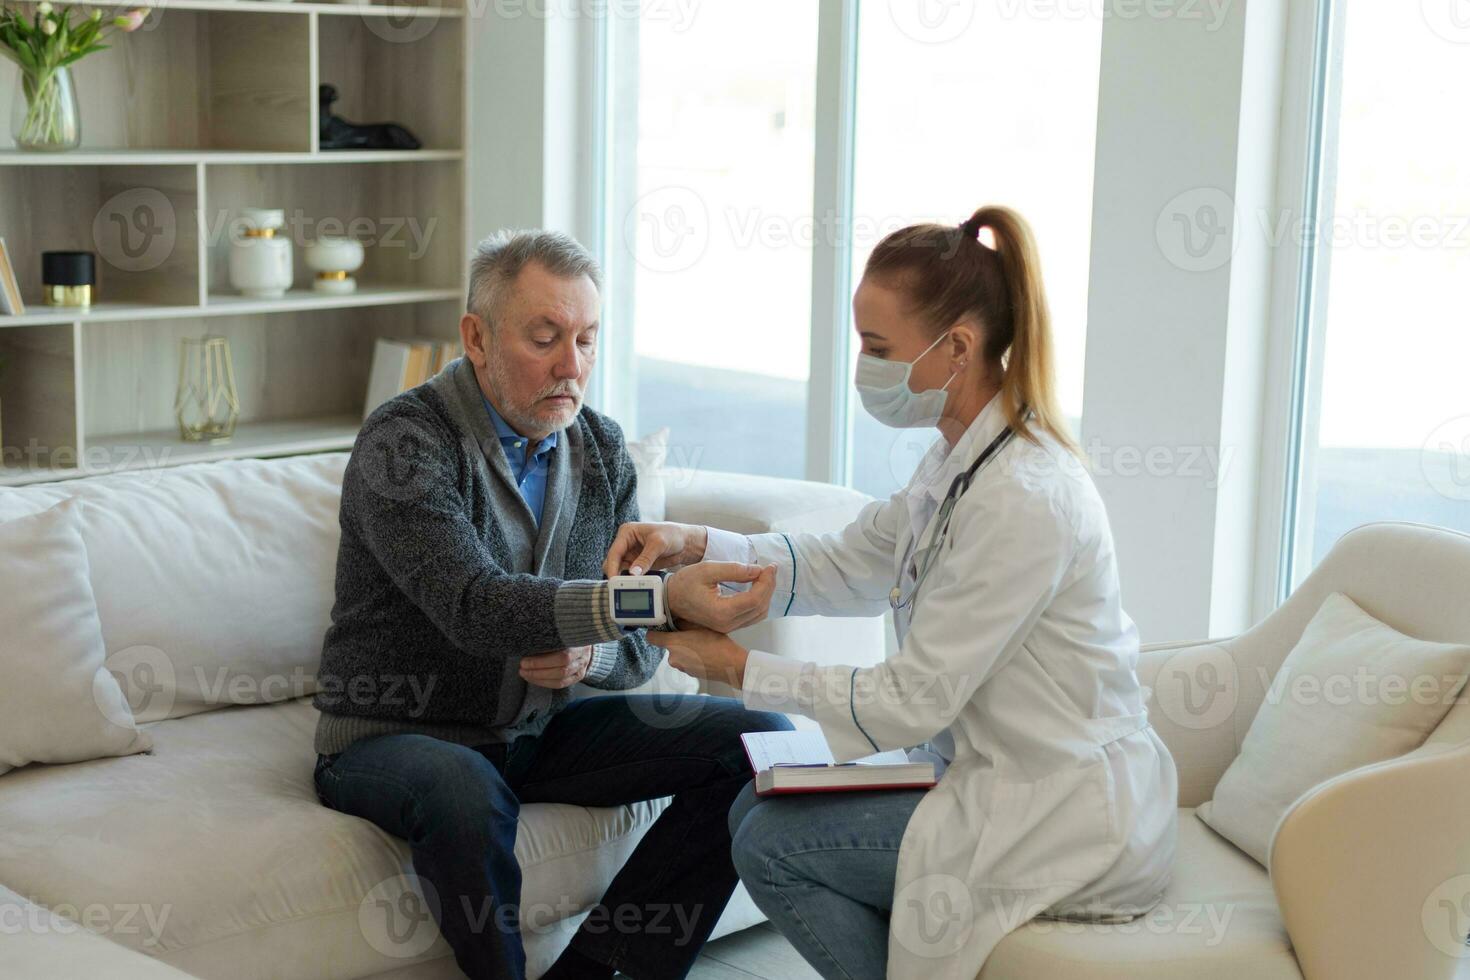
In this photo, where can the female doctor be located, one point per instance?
(1015, 666)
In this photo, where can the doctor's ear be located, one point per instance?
(966, 340)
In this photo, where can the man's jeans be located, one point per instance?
(457, 808)
(822, 868)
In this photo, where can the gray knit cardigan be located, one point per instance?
(445, 580)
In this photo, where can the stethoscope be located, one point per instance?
(957, 488)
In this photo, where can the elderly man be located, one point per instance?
(476, 513)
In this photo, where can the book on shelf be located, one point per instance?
(399, 365)
(802, 762)
(10, 301)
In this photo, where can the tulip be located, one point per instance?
(131, 21)
(44, 8)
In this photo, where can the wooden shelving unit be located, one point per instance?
(210, 109)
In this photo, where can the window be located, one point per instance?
(720, 275)
(1383, 419)
(717, 326)
(992, 104)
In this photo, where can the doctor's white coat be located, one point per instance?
(1017, 660)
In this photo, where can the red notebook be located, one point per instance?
(802, 762)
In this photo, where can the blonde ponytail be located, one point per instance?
(1030, 362)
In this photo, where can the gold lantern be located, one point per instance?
(207, 404)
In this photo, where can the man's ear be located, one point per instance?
(474, 333)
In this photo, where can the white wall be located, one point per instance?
(531, 140)
(1176, 329)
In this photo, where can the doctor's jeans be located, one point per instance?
(822, 866)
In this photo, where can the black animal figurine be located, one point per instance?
(336, 133)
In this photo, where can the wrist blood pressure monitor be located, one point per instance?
(639, 601)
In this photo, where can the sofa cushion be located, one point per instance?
(238, 870)
(1218, 921)
(213, 581)
(58, 703)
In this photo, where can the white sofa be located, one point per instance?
(212, 854)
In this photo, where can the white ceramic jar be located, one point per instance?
(334, 259)
(260, 256)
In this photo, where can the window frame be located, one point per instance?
(829, 402)
(615, 78)
(1307, 172)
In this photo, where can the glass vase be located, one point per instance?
(207, 403)
(44, 114)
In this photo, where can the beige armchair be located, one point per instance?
(1369, 872)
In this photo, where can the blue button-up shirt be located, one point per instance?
(530, 474)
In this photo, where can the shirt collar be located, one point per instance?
(511, 436)
(942, 464)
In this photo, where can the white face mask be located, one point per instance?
(884, 389)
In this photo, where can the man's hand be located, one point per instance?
(640, 548)
(557, 670)
(705, 655)
(695, 597)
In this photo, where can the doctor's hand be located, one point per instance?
(695, 597)
(640, 548)
(704, 654)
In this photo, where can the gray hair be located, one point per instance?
(499, 259)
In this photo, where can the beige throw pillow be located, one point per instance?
(1352, 692)
(58, 703)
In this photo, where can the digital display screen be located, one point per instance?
(635, 602)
